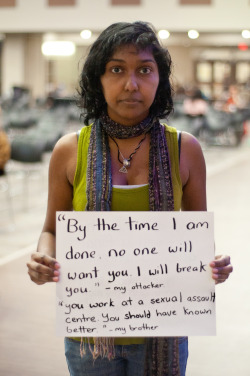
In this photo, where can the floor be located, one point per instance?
(27, 312)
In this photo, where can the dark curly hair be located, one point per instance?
(143, 36)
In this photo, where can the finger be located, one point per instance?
(41, 268)
(35, 279)
(41, 273)
(41, 278)
(220, 261)
(226, 270)
(221, 276)
(45, 260)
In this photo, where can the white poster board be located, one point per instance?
(135, 274)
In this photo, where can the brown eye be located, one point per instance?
(145, 70)
(116, 70)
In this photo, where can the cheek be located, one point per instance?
(108, 96)
(106, 86)
(153, 90)
(105, 93)
(155, 84)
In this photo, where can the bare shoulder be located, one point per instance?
(190, 145)
(64, 156)
(193, 174)
(192, 159)
(67, 143)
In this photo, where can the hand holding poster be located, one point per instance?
(135, 274)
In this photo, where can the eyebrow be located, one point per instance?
(123, 61)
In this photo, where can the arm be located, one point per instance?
(43, 266)
(193, 176)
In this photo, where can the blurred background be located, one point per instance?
(43, 44)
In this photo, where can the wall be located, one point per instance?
(34, 74)
(23, 63)
(13, 63)
(182, 73)
(67, 71)
(36, 16)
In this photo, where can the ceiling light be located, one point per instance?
(245, 34)
(58, 48)
(193, 34)
(86, 34)
(163, 34)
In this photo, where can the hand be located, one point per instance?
(43, 268)
(221, 268)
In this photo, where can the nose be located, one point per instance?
(131, 82)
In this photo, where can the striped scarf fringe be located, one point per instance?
(162, 357)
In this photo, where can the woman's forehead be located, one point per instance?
(128, 50)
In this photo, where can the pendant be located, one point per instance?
(123, 170)
(126, 162)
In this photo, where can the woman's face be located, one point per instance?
(129, 84)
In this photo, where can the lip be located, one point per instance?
(130, 100)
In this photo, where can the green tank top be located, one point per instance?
(125, 199)
(135, 199)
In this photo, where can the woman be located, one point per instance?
(125, 89)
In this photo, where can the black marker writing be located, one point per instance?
(73, 227)
(134, 225)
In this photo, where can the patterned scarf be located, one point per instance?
(162, 353)
(99, 179)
